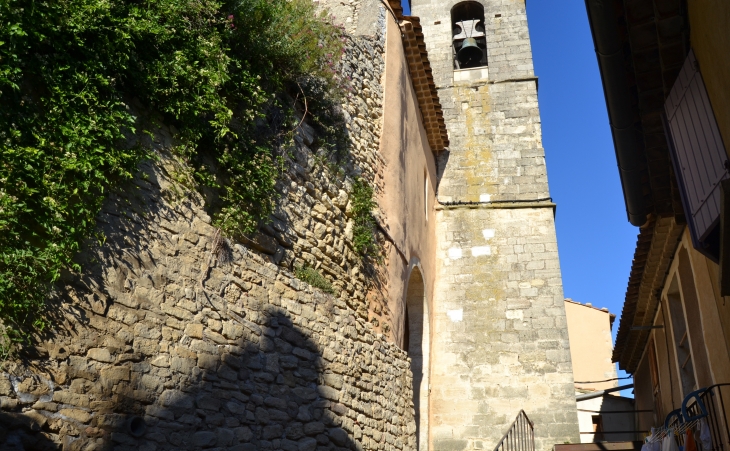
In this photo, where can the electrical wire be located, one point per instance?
(607, 380)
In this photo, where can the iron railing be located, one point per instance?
(520, 436)
(707, 403)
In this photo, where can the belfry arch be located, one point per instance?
(416, 340)
(469, 37)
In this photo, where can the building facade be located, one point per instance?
(603, 415)
(665, 74)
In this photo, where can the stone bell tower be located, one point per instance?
(499, 340)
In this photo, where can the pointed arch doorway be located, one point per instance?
(417, 340)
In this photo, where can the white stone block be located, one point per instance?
(455, 315)
(481, 250)
(455, 253)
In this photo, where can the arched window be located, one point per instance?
(469, 39)
(417, 344)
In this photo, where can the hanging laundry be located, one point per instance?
(705, 435)
(669, 443)
(696, 431)
(689, 441)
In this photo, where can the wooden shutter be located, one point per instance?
(698, 152)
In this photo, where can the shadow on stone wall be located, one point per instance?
(20, 432)
(271, 395)
(268, 395)
(159, 346)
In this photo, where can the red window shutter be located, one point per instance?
(698, 152)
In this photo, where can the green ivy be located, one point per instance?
(363, 232)
(216, 70)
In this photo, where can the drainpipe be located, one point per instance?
(627, 137)
(598, 394)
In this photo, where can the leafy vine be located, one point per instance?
(69, 71)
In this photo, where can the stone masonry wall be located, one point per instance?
(358, 17)
(501, 325)
(311, 225)
(238, 355)
(173, 337)
(485, 123)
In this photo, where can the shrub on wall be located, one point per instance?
(363, 233)
(314, 278)
(69, 71)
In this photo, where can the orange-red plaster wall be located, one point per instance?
(409, 180)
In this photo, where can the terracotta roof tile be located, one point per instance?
(655, 248)
(422, 78)
(604, 309)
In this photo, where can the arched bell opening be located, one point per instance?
(417, 343)
(468, 35)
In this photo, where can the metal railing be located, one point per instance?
(520, 436)
(707, 403)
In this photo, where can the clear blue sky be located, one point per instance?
(595, 240)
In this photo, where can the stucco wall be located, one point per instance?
(691, 279)
(410, 177)
(591, 345)
(693, 273)
(644, 398)
(715, 315)
(613, 425)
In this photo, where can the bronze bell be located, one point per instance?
(469, 53)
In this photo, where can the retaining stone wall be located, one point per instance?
(174, 338)
(311, 224)
(344, 12)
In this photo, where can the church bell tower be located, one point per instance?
(499, 334)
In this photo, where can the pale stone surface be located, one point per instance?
(499, 345)
(498, 265)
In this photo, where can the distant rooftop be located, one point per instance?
(612, 317)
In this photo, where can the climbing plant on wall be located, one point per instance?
(363, 232)
(69, 71)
